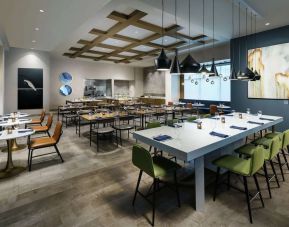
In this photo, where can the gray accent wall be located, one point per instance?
(239, 89)
(154, 82)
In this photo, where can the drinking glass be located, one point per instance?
(217, 114)
(259, 113)
(233, 112)
(248, 111)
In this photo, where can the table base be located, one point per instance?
(15, 146)
(10, 172)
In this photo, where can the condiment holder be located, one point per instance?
(240, 115)
(199, 125)
(223, 119)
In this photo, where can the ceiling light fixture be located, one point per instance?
(189, 64)
(33, 41)
(36, 29)
(41, 11)
(267, 24)
(175, 67)
(163, 63)
(204, 71)
(213, 71)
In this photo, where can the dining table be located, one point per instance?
(14, 123)
(217, 136)
(10, 136)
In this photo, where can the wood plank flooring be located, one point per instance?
(96, 189)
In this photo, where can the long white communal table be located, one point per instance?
(191, 144)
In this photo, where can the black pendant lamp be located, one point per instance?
(175, 67)
(163, 63)
(213, 71)
(233, 74)
(189, 64)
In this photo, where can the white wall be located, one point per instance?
(2, 80)
(81, 70)
(21, 58)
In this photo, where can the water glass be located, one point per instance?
(233, 112)
(259, 113)
(248, 111)
(217, 114)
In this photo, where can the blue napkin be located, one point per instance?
(254, 122)
(215, 118)
(162, 137)
(218, 134)
(23, 119)
(238, 127)
(230, 115)
(266, 119)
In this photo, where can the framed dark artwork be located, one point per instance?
(30, 88)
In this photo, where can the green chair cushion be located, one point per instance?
(273, 134)
(190, 119)
(234, 164)
(266, 143)
(162, 166)
(153, 124)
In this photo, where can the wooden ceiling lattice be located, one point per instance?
(123, 21)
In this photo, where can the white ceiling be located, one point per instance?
(64, 22)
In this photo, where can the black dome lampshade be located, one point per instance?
(247, 76)
(233, 74)
(204, 70)
(190, 65)
(175, 68)
(213, 71)
(162, 63)
(257, 75)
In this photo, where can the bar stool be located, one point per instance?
(156, 167)
(245, 168)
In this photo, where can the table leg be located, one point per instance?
(15, 146)
(10, 170)
(200, 183)
(90, 131)
(142, 120)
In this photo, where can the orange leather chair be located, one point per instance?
(45, 128)
(44, 142)
(38, 121)
(170, 103)
(213, 109)
(189, 105)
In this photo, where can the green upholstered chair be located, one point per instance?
(206, 115)
(156, 167)
(271, 150)
(284, 136)
(245, 168)
(191, 119)
(153, 124)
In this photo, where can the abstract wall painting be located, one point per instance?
(30, 88)
(65, 90)
(65, 78)
(272, 63)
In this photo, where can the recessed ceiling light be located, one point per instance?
(41, 11)
(267, 24)
(36, 29)
(32, 48)
(33, 41)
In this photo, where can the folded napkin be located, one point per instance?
(3, 122)
(238, 127)
(162, 137)
(24, 119)
(218, 134)
(24, 130)
(174, 125)
(266, 119)
(230, 115)
(254, 122)
(215, 118)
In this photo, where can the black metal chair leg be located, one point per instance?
(275, 174)
(258, 188)
(285, 158)
(56, 148)
(48, 133)
(154, 201)
(229, 181)
(137, 186)
(28, 159)
(216, 183)
(267, 179)
(280, 166)
(248, 199)
(177, 189)
(30, 164)
(97, 142)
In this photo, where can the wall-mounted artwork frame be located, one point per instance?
(30, 88)
(272, 63)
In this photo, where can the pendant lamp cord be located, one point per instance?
(176, 37)
(239, 36)
(203, 23)
(233, 30)
(190, 24)
(246, 47)
(213, 28)
(162, 22)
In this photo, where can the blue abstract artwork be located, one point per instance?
(65, 77)
(65, 90)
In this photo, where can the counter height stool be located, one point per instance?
(271, 150)
(156, 167)
(245, 168)
(44, 142)
(45, 128)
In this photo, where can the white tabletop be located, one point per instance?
(17, 115)
(15, 134)
(188, 142)
(16, 122)
(198, 104)
(223, 107)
